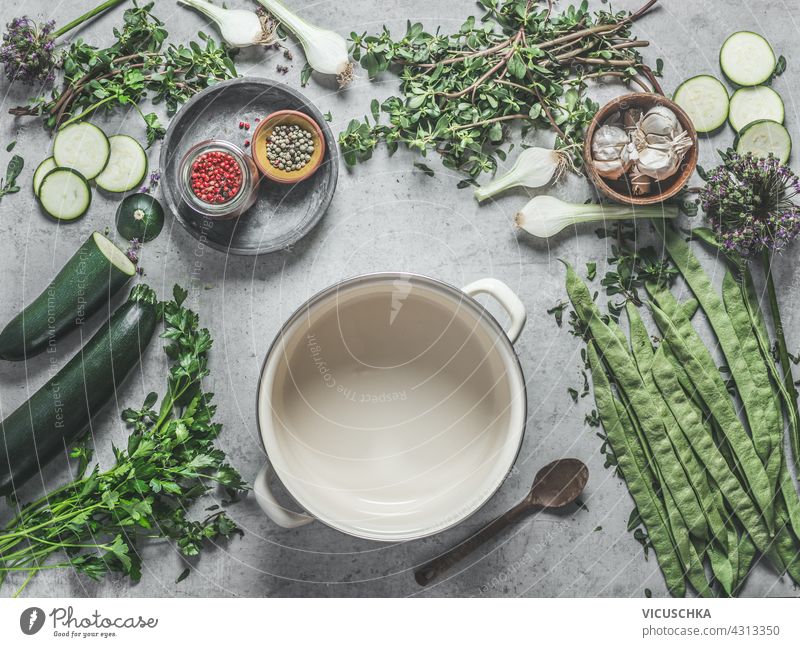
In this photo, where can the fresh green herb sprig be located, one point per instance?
(139, 64)
(9, 183)
(519, 62)
(95, 523)
(634, 268)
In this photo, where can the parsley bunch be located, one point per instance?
(138, 64)
(518, 62)
(95, 523)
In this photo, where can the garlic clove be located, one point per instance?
(631, 119)
(640, 184)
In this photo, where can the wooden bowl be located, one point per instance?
(620, 190)
(259, 146)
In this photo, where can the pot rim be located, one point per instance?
(482, 314)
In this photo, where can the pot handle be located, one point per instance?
(506, 298)
(269, 504)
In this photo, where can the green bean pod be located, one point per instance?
(638, 477)
(681, 453)
(756, 394)
(647, 412)
(766, 438)
(692, 353)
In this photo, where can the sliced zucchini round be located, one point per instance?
(755, 104)
(746, 58)
(140, 216)
(83, 147)
(764, 137)
(65, 194)
(43, 169)
(127, 165)
(705, 100)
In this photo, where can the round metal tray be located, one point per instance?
(283, 214)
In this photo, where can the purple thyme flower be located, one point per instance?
(28, 51)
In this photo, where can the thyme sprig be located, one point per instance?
(137, 65)
(520, 61)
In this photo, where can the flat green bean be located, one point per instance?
(693, 355)
(756, 394)
(634, 467)
(645, 409)
(765, 438)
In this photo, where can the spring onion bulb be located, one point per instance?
(533, 168)
(326, 51)
(238, 28)
(545, 216)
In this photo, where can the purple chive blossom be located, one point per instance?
(749, 203)
(27, 51)
(153, 180)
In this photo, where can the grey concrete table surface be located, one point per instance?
(386, 215)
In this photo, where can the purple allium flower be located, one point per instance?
(28, 51)
(749, 203)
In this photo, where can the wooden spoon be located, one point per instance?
(556, 485)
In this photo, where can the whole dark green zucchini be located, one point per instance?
(88, 280)
(59, 412)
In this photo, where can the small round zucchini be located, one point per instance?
(140, 216)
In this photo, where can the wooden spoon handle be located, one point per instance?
(433, 569)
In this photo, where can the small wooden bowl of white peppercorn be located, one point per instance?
(288, 146)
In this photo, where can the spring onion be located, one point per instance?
(326, 51)
(533, 168)
(545, 216)
(238, 27)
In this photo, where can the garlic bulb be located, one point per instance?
(658, 163)
(645, 147)
(608, 142)
(611, 152)
(615, 167)
(659, 120)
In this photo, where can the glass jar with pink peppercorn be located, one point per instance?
(218, 180)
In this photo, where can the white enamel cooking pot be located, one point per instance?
(391, 406)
